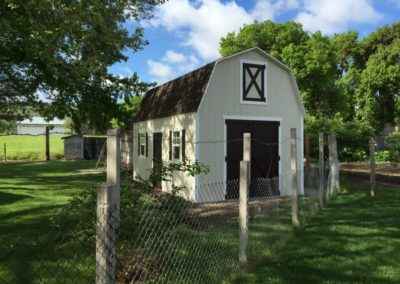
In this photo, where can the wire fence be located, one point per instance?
(142, 235)
(30, 147)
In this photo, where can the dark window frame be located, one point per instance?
(246, 87)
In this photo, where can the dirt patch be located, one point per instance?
(388, 173)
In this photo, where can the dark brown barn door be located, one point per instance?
(264, 156)
(157, 156)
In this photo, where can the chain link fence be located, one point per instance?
(141, 235)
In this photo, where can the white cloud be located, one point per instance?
(171, 65)
(335, 16)
(174, 57)
(159, 71)
(202, 23)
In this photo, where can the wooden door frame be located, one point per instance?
(255, 118)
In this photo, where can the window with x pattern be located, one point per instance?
(253, 82)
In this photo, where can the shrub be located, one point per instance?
(383, 156)
(352, 154)
(393, 146)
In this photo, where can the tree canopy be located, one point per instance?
(62, 50)
(343, 79)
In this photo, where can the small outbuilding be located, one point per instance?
(36, 125)
(78, 147)
(202, 115)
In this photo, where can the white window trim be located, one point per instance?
(244, 102)
(177, 144)
(142, 134)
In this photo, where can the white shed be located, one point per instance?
(201, 116)
(37, 126)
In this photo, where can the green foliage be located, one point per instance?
(383, 156)
(342, 79)
(63, 49)
(7, 127)
(127, 112)
(379, 86)
(78, 218)
(393, 146)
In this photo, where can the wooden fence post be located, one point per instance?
(294, 178)
(108, 205)
(334, 183)
(321, 193)
(47, 149)
(244, 184)
(372, 165)
(5, 152)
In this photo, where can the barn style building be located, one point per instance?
(37, 126)
(202, 115)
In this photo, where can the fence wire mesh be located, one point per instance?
(178, 241)
(156, 236)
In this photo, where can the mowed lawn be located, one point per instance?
(355, 240)
(30, 147)
(30, 194)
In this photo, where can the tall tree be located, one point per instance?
(311, 57)
(379, 89)
(62, 50)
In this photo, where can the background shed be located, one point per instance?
(83, 147)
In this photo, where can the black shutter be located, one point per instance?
(138, 144)
(147, 145)
(170, 145)
(183, 145)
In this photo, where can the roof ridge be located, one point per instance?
(182, 76)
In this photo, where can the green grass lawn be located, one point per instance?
(29, 147)
(30, 194)
(355, 240)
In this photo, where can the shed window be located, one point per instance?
(176, 145)
(142, 144)
(253, 82)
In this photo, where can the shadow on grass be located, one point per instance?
(30, 195)
(354, 240)
(9, 198)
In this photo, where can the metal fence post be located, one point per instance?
(245, 179)
(372, 165)
(108, 203)
(295, 171)
(321, 193)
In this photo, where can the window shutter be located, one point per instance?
(138, 144)
(147, 145)
(183, 145)
(170, 145)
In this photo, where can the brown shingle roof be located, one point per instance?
(181, 95)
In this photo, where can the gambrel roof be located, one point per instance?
(184, 94)
(181, 95)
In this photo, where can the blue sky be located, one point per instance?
(184, 34)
